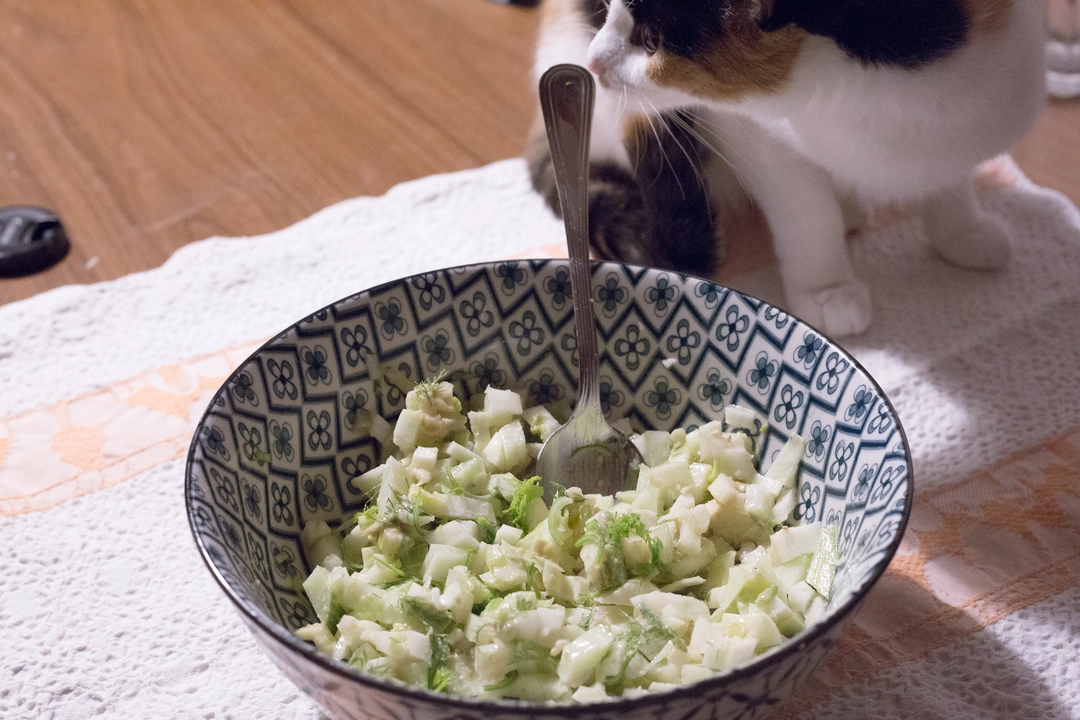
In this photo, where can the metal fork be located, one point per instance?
(586, 452)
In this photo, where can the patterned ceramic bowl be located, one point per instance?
(277, 446)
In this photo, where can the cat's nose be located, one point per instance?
(598, 68)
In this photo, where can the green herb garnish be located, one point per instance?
(637, 637)
(504, 683)
(439, 674)
(423, 613)
(526, 491)
(337, 611)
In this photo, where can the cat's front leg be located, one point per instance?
(961, 233)
(801, 207)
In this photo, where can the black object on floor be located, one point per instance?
(32, 239)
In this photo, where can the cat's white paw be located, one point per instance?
(837, 311)
(981, 244)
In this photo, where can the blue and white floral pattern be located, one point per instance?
(283, 440)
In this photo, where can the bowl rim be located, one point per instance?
(252, 614)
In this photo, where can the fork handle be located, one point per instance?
(567, 94)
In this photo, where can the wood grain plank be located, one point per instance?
(148, 125)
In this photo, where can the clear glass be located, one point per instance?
(1063, 47)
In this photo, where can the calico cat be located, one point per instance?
(793, 104)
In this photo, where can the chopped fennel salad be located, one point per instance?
(459, 578)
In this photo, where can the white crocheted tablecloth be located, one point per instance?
(107, 611)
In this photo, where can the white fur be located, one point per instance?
(568, 43)
(881, 133)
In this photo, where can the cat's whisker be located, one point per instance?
(620, 108)
(688, 127)
(663, 153)
(686, 154)
(697, 134)
(639, 144)
(705, 126)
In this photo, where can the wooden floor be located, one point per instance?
(147, 124)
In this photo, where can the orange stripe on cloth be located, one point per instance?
(974, 553)
(100, 439)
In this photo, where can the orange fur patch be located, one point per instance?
(989, 17)
(747, 61)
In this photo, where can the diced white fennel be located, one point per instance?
(368, 481)
(790, 542)
(456, 507)
(723, 489)
(760, 497)
(352, 629)
(734, 651)
(507, 450)
(625, 593)
(791, 573)
(464, 534)
(392, 487)
(800, 595)
(378, 568)
(579, 658)
(318, 634)
(407, 429)
(785, 466)
(692, 673)
(523, 608)
(760, 626)
(684, 584)
(781, 512)
(508, 534)
(422, 464)
(816, 611)
(459, 453)
(541, 422)
(317, 587)
(483, 425)
(672, 475)
(591, 693)
(822, 568)
(502, 403)
(320, 541)
(493, 660)
(737, 416)
(439, 560)
(700, 476)
(540, 625)
(654, 446)
(505, 577)
(734, 461)
(664, 604)
(400, 644)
